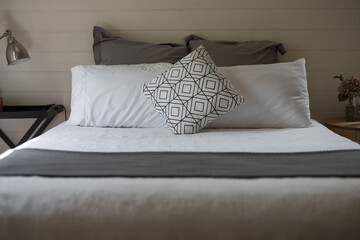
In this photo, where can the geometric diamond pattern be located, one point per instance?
(192, 93)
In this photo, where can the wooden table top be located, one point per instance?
(341, 123)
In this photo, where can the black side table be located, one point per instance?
(41, 113)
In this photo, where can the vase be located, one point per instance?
(352, 111)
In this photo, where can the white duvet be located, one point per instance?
(74, 138)
(174, 208)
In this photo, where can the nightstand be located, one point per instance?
(350, 130)
(44, 115)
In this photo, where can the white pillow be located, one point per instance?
(111, 96)
(276, 96)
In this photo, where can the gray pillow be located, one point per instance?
(226, 53)
(110, 49)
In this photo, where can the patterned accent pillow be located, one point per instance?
(192, 93)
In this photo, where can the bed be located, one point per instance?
(257, 172)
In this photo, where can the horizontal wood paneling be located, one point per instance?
(85, 5)
(50, 61)
(325, 101)
(322, 115)
(178, 19)
(46, 81)
(324, 81)
(335, 60)
(36, 98)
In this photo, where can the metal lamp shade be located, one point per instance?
(15, 52)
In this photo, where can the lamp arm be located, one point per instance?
(6, 33)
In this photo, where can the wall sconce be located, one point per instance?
(15, 52)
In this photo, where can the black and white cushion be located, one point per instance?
(192, 93)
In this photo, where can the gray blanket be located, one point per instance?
(28, 162)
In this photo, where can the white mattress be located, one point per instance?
(181, 208)
(74, 138)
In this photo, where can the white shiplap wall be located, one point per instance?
(58, 35)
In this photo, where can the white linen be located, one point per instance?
(74, 138)
(39, 208)
(110, 96)
(276, 96)
(35, 208)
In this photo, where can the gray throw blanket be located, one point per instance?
(29, 162)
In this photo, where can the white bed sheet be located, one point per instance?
(175, 208)
(75, 138)
(36, 208)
